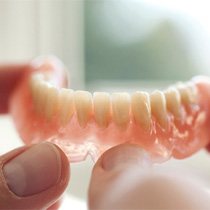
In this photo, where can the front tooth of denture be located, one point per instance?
(173, 102)
(101, 101)
(141, 109)
(51, 102)
(66, 105)
(121, 108)
(84, 106)
(187, 93)
(158, 108)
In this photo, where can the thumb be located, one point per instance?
(33, 177)
(113, 175)
(123, 179)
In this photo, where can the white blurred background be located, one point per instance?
(29, 28)
(109, 44)
(110, 40)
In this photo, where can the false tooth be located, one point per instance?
(193, 90)
(66, 105)
(173, 102)
(141, 109)
(40, 96)
(34, 83)
(186, 93)
(121, 108)
(84, 106)
(101, 101)
(51, 102)
(158, 108)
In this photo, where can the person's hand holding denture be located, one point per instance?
(129, 132)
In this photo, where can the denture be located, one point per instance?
(166, 123)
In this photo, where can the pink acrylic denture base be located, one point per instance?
(180, 140)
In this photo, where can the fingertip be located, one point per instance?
(33, 177)
(118, 182)
(125, 155)
(114, 168)
(122, 157)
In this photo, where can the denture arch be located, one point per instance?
(169, 123)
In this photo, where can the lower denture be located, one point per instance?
(89, 127)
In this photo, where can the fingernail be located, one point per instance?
(34, 170)
(124, 156)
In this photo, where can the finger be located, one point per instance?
(112, 174)
(33, 177)
(123, 179)
(56, 205)
(9, 78)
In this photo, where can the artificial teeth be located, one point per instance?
(121, 108)
(173, 102)
(101, 101)
(84, 106)
(51, 104)
(158, 108)
(40, 96)
(141, 109)
(187, 93)
(193, 90)
(66, 105)
(35, 81)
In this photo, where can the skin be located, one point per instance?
(129, 182)
(121, 178)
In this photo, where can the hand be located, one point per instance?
(123, 179)
(31, 177)
(119, 181)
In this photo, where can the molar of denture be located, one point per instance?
(173, 101)
(187, 93)
(158, 108)
(121, 109)
(101, 101)
(84, 106)
(194, 92)
(34, 82)
(40, 96)
(141, 109)
(66, 105)
(51, 102)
